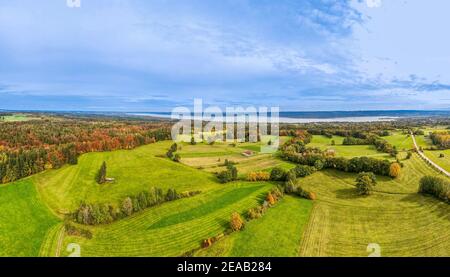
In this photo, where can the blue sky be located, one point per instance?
(300, 55)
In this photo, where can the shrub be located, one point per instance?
(177, 158)
(408, 155)
(174, 147)
(436, 187)
(303, 170)
(94, 214)
(169, 154)
(441, 155)
(101, 174)
(289, 187)
(318, 164)
(207, 242)
(258, 176)
(193, 141)
(354, 141)
(304, 193)
(277, 174)
(365, 182)
(291, 176)
(171, 195)
(71, 230)
(270, 199)
(228, 175)
(394, 170)
(224, 176)
(277, 192)
(127, 206)
(254, 213)
(233, 170)
(236, 222)
(228, 163)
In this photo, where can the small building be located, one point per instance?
(247, 153)
(110, 180)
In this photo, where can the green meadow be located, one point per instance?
(15, 118)
(277, 234)
(338, 223)
(347, 151)
(24, 220)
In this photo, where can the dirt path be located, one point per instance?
(426, 159)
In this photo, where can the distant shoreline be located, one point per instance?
(297, 120)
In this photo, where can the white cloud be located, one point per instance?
(373, 3)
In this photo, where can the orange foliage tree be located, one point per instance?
(394, 170)
(236, 222)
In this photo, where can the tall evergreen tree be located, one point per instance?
(101, 175)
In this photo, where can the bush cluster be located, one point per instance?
(258, 176)
(441, 139)
(228, 175)
(272, 197)
(72, 230)
(436, 187)
(171, 153)
(95, 214)
(278, 174)
(314, 157)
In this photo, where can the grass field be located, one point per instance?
(403, 142)
(401, 221)
(276, 234)
(442, 162)
(173, 228)
(211, 158)
(133, 170)
(24, 220)
(15, 117)
(338, 223)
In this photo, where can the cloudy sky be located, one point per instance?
(300, 55)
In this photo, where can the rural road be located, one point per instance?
(421, 154)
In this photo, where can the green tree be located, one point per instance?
(236, 222)
(174, 147)
(277, 174)
(177, 158)
(365, 182)
(101, 174)
(127, 206)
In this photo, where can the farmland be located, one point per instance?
(338, 223)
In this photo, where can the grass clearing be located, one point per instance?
(182, 224)
(401, 221)
(276, 234)
(338, 223)
(24, 220)
(347, 151)
(133, 170)
(402, 142)
(15, 118)
(434, 155)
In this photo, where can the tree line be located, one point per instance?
(297, 152)
(441, 139)
(30, 147)
(95, 214)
